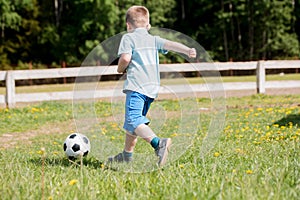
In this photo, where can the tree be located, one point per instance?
(11, 20)
(275, 36)
(242, 29)
(54, 31)
(83, 24)
(297, 21)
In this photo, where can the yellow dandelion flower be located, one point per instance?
(174, 135)
(249, 171)
(42, 151)
(268, 134)
(294, 137)
(256, 142)
(102, 166)
(73, 182)
(288, 112)
(217, 154)
(269, 109)
(238, 150)
(228, 127)
(181, 166)
(114, 125)
(104, 131)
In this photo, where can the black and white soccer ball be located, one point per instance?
(76, 145)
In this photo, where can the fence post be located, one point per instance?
(10, 90)
(260, 77)
(63, 65)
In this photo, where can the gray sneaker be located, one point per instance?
(163, 150)
(119, 158)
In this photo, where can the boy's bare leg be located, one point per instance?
(130, 142)
(161, 146)
(145, 132)
(126, 155)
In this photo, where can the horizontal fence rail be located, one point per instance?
(11, 98)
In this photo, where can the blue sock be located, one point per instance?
(127, 154)
(155, 142)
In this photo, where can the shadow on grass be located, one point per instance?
(90, 162)
(292, 118)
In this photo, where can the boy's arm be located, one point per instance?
(180, 48)
(123, 62)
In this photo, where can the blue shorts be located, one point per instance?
(136, 108)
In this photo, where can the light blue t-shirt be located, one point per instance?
(143, 71)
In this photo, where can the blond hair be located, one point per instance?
(138, 16)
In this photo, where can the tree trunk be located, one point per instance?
(264, 39)
(225, 35)
(251, 29)
(58, 6)
(182, 10)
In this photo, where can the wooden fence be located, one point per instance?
(11, 97)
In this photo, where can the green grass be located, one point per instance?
(256, 155)
(109, 84)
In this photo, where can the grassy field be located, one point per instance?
(257, 155)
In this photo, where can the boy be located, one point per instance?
(138, 53)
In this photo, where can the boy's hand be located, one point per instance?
(123, 62)
(180, 48)
(192, 53)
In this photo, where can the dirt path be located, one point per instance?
(9, 140)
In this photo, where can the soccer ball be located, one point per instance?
(75, 145)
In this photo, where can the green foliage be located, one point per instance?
(243, 30)
(279, 38)
(20, 29)
(40, 31)
(9, 17)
